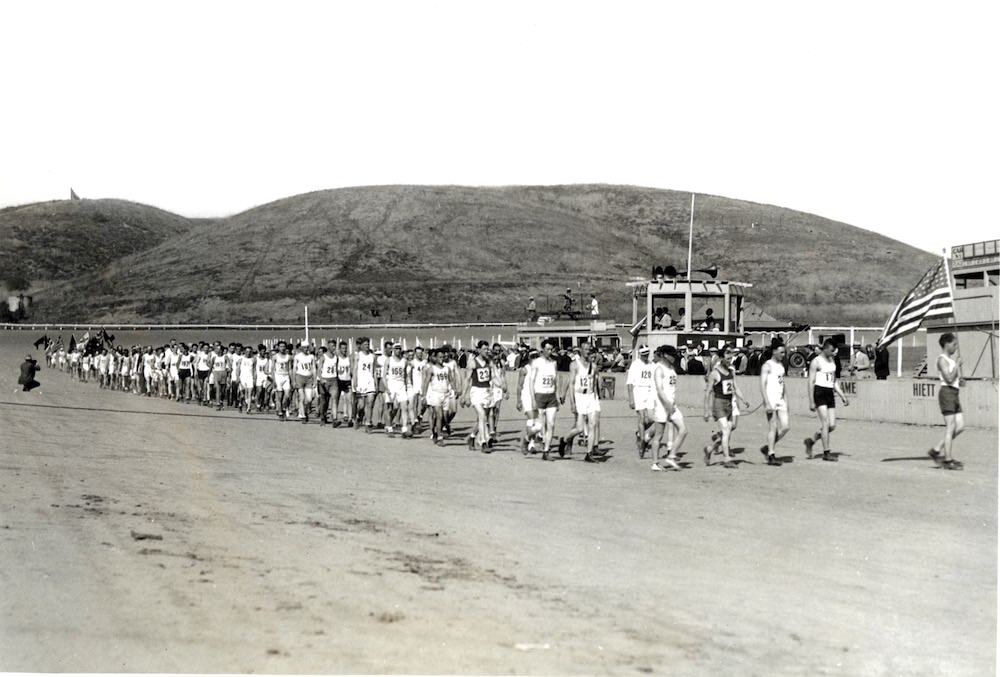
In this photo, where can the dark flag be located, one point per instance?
(73, 195)
(72, 343)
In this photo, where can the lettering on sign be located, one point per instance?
(924, 389)
(849, 387)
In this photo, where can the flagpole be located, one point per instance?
(951, 290)
(690, 237)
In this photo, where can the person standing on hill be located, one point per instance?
(594, 308)
(531, 309)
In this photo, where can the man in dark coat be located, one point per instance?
(28, 370)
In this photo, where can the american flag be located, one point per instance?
(930, 298)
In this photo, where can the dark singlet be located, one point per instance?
(724, 388)
(481, 374)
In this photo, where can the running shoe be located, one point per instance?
(809, 442)
(562, 447)
(935, 456)
(730, 464)
(656, 467)
(953, 465)
(671, 463)
(829, 456)
(440, 442)
(708, 454)
(763, 451)
(524, 446)
(545, 454)
(589, 458)
(773, 460)
(470, 442)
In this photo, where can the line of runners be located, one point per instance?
(397, 389)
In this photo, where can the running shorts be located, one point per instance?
(780, 405)
(281, 382)
(497, 396)
(481, 397)
(246, 380)
(184, 373)
(527, 401)
(203, 374)
(343, 386)
(721, 408)
(948, 400)
(644, 400)
(587, 404)
(545, 401)
(824, 397)
(436, 398)
(300, 381)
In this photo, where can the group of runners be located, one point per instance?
(398, 389)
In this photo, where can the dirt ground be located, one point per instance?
(141, 535)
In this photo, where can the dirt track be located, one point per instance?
(290, 548)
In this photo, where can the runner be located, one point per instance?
(583, 374)
(220, 375)
(498, 383)
(438, 387)
(542, 381)
(364, 382)
(395, 392)
(326, 384)
(449, 360)
(203, 371)
(526, 404)
(772, 390)
(173, 356)
(343, 394)
(304, 379)
(419, 364)
(665, 409)
(719, 405)
(949, 365)
(282, 380)
(185, 375)
(247, 364)
(821, 388)
(478, 394)
(263, 378)
(639, 383)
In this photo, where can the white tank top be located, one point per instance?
(640, 375)
(585, 380)
(328, 367)
(439, 379)
(950, 363)
(545, 375)
(668, 377)
(282, 364)
(418, 373)
(396, 370)
(774, 383)
(262, 366)
(826, 375)
(343, 368)
(185, 361)
(304, 364)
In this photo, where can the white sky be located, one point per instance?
(880, 114)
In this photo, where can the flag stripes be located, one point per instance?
(931, 297)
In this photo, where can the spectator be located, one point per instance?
(27, 378)
(862, 363)
(618, 361)
(741, 361)
(666, 319)
(531, 309)
(680, 318)
(696, 363)
(882, 363)
(710, 322)
(594, 311)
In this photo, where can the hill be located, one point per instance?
(61, 239)
(435, 253)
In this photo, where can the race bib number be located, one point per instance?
(727, 387)
(482, 374)
(548, 381)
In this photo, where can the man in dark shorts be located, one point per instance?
(949, 366)
(27, 377)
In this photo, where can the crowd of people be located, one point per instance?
(410, 391)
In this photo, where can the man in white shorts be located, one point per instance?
(304, 379)
(451, 405)
(419, 364)
(395, 392)
(282, 380)
(639, 383)
(583, 375)
(526, 404)
(438, 388)
(665, 410)
(479, 395)
(772, 390)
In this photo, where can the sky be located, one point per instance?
(879, 114)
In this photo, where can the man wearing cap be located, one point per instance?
(665, 411)
(639, 382)
(27, 377)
